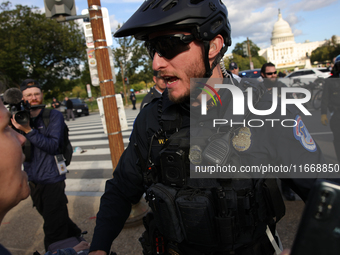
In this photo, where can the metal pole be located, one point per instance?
(106, 82)
(68, 18)
(249, 53)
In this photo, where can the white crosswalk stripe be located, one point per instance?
(91, 163)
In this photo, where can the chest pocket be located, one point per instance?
(184, 215)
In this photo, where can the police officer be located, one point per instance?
(133, 99)
(331, 101)
(187, 39)
(156, 91)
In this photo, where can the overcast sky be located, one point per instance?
(313, 20)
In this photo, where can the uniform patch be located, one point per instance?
(242, 140)
(302, 135)
(195, 154)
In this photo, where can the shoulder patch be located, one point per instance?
(303, 136)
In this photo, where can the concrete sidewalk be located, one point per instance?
(21, 230)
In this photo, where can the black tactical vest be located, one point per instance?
(216, 214)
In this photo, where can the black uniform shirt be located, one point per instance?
(153, 93)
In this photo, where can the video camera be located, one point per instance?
(19, 108)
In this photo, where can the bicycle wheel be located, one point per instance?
(317, 100)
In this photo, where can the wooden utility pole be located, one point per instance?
(106, 82)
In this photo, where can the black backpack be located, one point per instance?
(66, 148)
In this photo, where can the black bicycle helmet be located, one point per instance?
(205, 19)
(208, 17)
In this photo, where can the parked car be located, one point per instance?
(255, 73)
(79, 107)
(316, 75)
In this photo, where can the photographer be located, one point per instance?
(47, 185)
(13, 181)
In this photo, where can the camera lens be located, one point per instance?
(172, 173)
(22, 117)
(170, 158)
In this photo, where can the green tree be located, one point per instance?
(326, 52)
(132, 55)
(36, 47)
(139, 86)
(79, 92)
(243, 62)
(254, 49)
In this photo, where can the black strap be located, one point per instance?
(276, 198)
(28, 147)
(27, 151)
(46, 116)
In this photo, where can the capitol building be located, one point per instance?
(284, 52)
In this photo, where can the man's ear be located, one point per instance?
(154, 79)
(216, 45)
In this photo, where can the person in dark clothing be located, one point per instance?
(46, 183)
(55, 104)
(171, 138)
(156, 91)
(270, 76)
(133, 99)
(69, 109)
(331, 101)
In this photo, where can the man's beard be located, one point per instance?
(198, 71)
(182, 99)
(36, 102)
(268, 83)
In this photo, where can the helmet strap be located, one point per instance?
(208, 69)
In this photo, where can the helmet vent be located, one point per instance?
(196, 1)
(216, 25)
(156, 4)
(169, 5)
(148, 5)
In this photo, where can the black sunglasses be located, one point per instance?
(271, 73)
(169, 46)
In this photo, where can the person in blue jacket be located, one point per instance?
(13, 181)
(46, 183)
